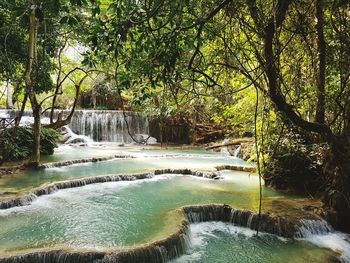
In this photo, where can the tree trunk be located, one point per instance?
(62, 122)
(19, 116)
(321, 64)
(9, 102)
(35, 160)
(36, 107)
(337, 194)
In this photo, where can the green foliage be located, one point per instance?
(17, 143)
(48, 140)
(295, 163)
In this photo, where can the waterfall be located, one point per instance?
(109, 125)
(224, 152)
(321, 234)
(268, 223)
(177, 243)
(237, 152)
(160, 251)
(309, 228)
(98, 125)
(73, 137)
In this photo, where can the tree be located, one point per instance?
(43, 27)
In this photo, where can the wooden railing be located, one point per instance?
(6, 123)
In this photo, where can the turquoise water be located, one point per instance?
(131, 213)
(147, 160)
(223, 243)
(68, 152)
(118, 213)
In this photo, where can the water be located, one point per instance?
(322, 234)
(120, 213)
(147, 160)
(222, 243)
(73, 137)
(132, 213)
(237, 152)
(103, 149)
(109, 125)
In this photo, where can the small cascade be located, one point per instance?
(224, 152)
(320, 233)
(26, 199)
(69, 137)
(237, 152)
(270, 224)
(19, 201)
(85, 160)
(309, 228)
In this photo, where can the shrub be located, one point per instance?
(296, 165)
(17, 143)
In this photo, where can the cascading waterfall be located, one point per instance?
(313, 227)
(270, 224)
(72, 137)
(98, 125)
(320, 233)
(237, 152)
(109, 125)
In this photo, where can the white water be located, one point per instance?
(109, 125)
(237, 152)
(320, 233)
(97, 125)
(208, 234)
(200, 235)
(224, 152)
(74, 137)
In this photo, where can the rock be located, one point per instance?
(64, 138)
(77, 141)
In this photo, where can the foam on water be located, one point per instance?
(201, 233)
(204, 236)
(320, 233)
(73, 136)
(336, 241)
(84, 192)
